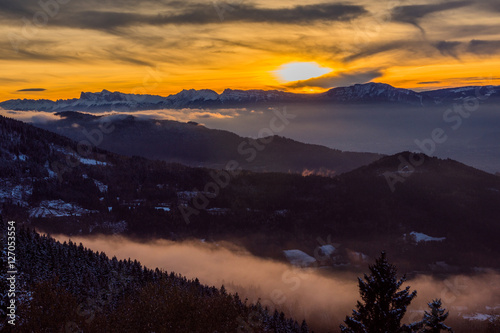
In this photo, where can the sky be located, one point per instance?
(57, 48)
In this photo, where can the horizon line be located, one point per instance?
(246, 90)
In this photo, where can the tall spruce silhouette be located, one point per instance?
(383, 304)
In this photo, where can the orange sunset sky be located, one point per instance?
(58, 48)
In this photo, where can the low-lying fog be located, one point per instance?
(471, 137)
(322, 298)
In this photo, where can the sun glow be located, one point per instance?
(298, 71)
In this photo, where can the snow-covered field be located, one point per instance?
(83, 160)
(58, 208)
(421, 237)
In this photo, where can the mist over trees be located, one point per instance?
(66, 287)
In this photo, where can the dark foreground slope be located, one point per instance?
(46, 184)
(196, 145)
(68, 288)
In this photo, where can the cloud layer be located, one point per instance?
(109, 16)
(30, 116)
(338, 79)
(414, 13)
(182, 115)
(323, 299)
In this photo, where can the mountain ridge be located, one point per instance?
(206, 98)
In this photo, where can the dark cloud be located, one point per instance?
(16, 8)
(108, 16)
(338, 79)
(125, 57)
(412, 46)
(489, 5)
(448, 48)
(472, 30)
(484, 47)
(28, 8)
(453, 49)
(36, 50)
(32, 89)
(413, 13)
(40, 50)
(250, 13)
(429, 82)
(477, 47)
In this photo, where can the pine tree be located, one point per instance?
(303, 327)
(433, 321)
(384, 304)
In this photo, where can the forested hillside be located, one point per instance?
(66, 287)
(444, 211)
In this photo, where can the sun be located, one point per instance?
(299, 71)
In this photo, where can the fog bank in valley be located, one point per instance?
(322, 297)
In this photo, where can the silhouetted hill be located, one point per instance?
(431, 214)
(196, 145)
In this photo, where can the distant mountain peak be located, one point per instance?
(104, 94)
(375, 92)
(366, 93)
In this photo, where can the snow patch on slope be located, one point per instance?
(421, 237)
(101, 186)
(58, 208)
(480, 317)
(327, 250)
(89, 161)
(299, 258)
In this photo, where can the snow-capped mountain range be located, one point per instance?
(205, 98)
